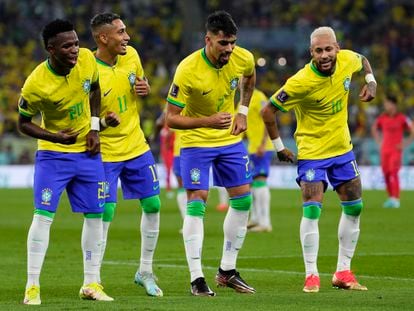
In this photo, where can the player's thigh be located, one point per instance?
(139, 178)
(195, 166)
(86, 192)
(53, 171)
(260, 165)
(232, 167)
(112, 172)
(312, 179)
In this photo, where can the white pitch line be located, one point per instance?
(128, 263)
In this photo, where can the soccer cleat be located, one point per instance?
(32, 296)
(233, 280)
(251, 224)
(346, 280)
(199, 287)
(312, 284)
(259, 228)
(222, 207)
(94, 291)
(147, 280)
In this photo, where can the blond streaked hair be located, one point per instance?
(323, 31)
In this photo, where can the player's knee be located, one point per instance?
(44, 213)
(312, 210)
(259, 183)
(151, 205)
(352, 208)
(241, 203)
(196, 208)
(109, 211)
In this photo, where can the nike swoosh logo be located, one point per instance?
(107, 92)
(58, 102)
(101, 204)
(155, 187)
(248, 175)
(319, 100)
(206, 92)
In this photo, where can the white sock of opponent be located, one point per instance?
(91, 248)
(309, 237)
(234, 228)
(348, 234)
(37, 243)
(150, 224)
(263, 205)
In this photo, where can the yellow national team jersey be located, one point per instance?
(256, 130)
(320, 103)
(63, 101)
(126, 141)
(205, 90)
(177, 143)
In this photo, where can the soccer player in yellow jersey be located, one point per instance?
(318, 93)
(125, 152)
(260, 150)
(201, 104)
(64, 89)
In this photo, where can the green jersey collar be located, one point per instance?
(316, 71)
(204, 55)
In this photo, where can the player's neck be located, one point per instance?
(106, 57)
(214, 62)
(56, 68)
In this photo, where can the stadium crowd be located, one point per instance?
(381, 30)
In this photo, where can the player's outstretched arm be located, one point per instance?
(369, 90)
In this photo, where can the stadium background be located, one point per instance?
(164, 31)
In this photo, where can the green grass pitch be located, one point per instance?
(270, 262)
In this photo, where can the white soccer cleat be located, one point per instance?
(148, 281)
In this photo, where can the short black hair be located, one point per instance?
(103, 19)
(221, 21)
(392, 98)
(55, 27)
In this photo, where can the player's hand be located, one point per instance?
(112, 119)
(368, 92)
(93, 144)
(240, 124)
(66, 136)
(286, 155)
(220, 120)
(142, 87)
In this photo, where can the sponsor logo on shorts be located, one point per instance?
(195, 176)
(310, 175)
(46, 196)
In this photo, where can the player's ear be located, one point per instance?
(103, 38)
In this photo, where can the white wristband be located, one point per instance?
(278, 144)
(243, 109)
(103, 122)
(95, 124)
(369, 77)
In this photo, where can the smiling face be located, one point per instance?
(324, 49)
(115, 37)
(64, 50)
(219, 47)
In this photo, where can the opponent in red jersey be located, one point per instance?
(392, 125)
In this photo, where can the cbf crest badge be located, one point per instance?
(347, 83)
(131, 78)
(86, 86)
(46, 196)
(310, 175)
(195, 176)
(234, 83)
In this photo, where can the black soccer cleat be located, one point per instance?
(233, 280)
(199, 287)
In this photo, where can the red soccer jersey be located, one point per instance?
(392, 128)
